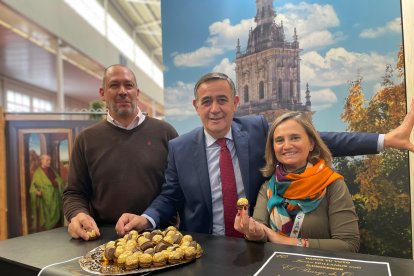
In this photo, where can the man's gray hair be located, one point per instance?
(214, 76)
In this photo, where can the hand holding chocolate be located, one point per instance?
(92, 235)
(242, 203)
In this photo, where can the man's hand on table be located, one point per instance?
(128, 221)
(80, 225)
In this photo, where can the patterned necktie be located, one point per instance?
(229, 190)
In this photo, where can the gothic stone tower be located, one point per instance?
(268, 71)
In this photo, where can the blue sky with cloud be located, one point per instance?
(340, 40)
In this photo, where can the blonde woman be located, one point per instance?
(305, 202)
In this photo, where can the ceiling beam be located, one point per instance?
(149, 2)
(148, 32)
(149, 24)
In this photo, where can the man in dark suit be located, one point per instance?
(193, 182)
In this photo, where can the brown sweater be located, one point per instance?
(113, 170)
(333, 225)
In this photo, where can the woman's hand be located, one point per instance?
(246, 225)
(275, 237)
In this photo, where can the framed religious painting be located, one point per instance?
(38, 159)
(43, 170)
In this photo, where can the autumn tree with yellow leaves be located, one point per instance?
(380, 183)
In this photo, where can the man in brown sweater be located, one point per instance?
(117, 166)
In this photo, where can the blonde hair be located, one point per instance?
(320, 150)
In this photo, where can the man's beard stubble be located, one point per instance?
(124, 112)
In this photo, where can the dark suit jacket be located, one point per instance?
(187, 187)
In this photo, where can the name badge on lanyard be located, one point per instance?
(297, 225)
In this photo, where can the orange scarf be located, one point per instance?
(311, 183)
(291, 193)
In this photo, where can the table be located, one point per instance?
(27, 255)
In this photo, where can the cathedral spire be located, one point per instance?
(307, 93)
(265, 12)
(295, 39)
(268, 70)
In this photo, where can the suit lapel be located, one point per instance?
(241, 142)
(201, 167)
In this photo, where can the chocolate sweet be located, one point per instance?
(122, 258)
(109, 253)
(175, 257)
(132, 261)
(150, 251)
(242, 203)
(159, 259)
(145, 260)
(157, 238)
(190, 253)
(153, 249)
(92, 235)
(147, 244)
(161, 246)
(177, 238)
(169, 239)
(186, 238)
(155, 232)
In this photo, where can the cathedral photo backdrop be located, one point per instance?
(340, 60)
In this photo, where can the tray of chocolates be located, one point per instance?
(142, 252)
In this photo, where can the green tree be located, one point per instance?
(97, 107)
(380, 183)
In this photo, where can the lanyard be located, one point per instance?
(297, 225)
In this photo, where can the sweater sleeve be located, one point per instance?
(260, 212)
(78, 192)
(343, 221)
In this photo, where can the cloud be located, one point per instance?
(393, 26)
(201, 57)
(322, 99)
(319, 39)
(226, 67)
(179, 100)
(312, 23)
(225, 35)
(338, 66)
(222, 37)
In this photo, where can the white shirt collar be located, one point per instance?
(210, 140)
(136, 122)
